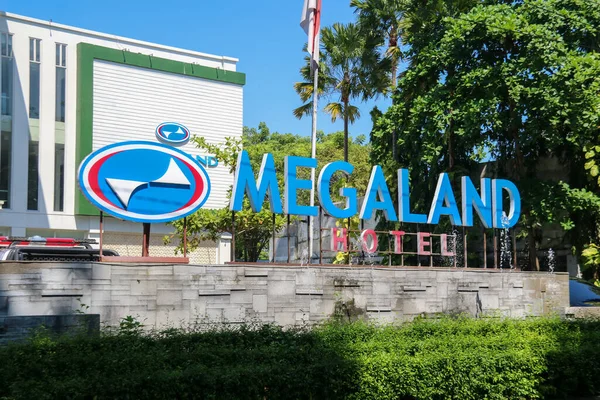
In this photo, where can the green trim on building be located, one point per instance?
(86, 54)
(85, 114)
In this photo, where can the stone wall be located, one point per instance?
(161, 295)
(582, 312)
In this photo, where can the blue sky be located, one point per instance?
(265, 36)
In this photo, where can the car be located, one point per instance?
(38, 248)
(582, 294)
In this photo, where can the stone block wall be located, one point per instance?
(174, 295)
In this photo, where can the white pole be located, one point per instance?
(313, 155)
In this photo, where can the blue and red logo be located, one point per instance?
(172, 133)
(144, 181)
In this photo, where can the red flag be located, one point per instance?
(311, 23)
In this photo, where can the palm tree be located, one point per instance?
(382, 20)
(348, 70)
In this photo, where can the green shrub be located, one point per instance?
(448, 358)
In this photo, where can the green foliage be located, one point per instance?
(130, 326)
(592, 156)
(591, 255)
(82, 308)
(343, 72)
(254, 230)
(517, 82)
(447, 358)
(558, 202)
(382, 21)
(243, 363)
(352, 225)
(591, 258)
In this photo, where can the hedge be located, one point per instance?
(447, 358)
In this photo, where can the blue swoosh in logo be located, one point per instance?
(172, 133)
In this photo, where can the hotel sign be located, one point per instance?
(487, 203)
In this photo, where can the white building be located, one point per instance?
(68, 91)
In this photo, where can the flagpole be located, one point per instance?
(313, 155)
(311, 23)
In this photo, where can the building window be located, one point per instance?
(61, 69)
(6, 42)
(59, 176)
(7, 61)
(33, 175)
(6, 90)
(59, 131)
(34, 78)
(61, 55)
(33, 178)
(5, 161)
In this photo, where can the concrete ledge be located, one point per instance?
(582, 312)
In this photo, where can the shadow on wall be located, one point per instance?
(19, 328)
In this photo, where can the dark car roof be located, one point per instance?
(582, 294)
(70, 254)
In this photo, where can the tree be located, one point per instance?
(517, 82)
(591, 256)
(343, 74)
(253, 136)
(382, 20)
(254, 230)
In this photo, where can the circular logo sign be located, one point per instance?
(173, 133)
(144, 181)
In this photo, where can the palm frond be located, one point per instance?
(335, 110)
(304, 89)
(303, 110)
(351, 66)
(353, 113)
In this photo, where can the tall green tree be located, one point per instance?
(382, 21)
(515, 81)
(348, 70)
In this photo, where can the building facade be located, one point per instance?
(67, 92)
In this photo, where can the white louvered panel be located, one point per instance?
(130, 102)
